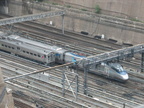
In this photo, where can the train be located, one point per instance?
(49, 54)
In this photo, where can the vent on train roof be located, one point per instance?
(19, 43)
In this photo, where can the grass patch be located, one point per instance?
(97, 9)
(134, 19)
(68, 6)
(84, 9)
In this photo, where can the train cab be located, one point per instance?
(119, 71)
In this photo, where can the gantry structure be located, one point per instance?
(31, 17)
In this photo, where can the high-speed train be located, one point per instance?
(48, 54)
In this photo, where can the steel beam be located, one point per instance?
(86, 69)
(77, 81)
(31, 17)
(63, 82)
(37, 71)
(142, 62)
(113, 55)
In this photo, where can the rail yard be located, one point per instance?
(60, 85)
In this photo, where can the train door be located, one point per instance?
(18, 50)
(106, 71)
(45, 58)
(52, 57)
(102, 69)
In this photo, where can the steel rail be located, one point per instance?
(81, 98)
(38, 71)
(102, 95)
(2, 94)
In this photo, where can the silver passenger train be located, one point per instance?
(48, 54)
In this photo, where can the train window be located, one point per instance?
(27, 52)
(2, 44)
(18, 48)
(9, 46)
(5, 45)
(24, 51)
(35, 55)
(38, 55)
(31, 53)
(12, 47)
(44, 56)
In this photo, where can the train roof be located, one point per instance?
(75, 55)
(28, 46)
(39, 44)
(2, 33)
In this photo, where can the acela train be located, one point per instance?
(48, 54)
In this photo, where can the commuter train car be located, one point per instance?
(26, 50)
(59, 52)
(49, 54)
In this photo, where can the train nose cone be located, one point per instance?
(125, 77)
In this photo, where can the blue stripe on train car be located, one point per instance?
(73, 59)
(77, 55)
(57, 54)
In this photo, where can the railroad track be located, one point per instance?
(76, 35)
(89, 101)
(95, 89)
(32, 101)
(101, 96)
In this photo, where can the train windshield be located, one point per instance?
(117, 67)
